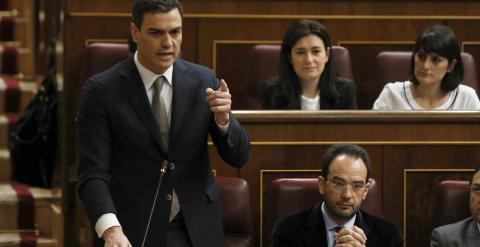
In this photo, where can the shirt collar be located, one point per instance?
(148, 77)
(330, 224)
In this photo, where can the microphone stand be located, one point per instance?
(163, 170)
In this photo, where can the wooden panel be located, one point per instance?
(326, 7)
(397, 158)
(304, 7)
(100, 6)
(211, 30)
(189, 49)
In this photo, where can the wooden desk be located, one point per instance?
(403, 146)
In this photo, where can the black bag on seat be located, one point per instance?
(33, 141)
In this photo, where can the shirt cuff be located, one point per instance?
(224, 128)
(104, 222)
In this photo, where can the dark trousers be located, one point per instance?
(177, 235)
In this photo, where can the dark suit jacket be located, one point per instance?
(307, 229)
(464, 233)
(272, 97)
(120, 153)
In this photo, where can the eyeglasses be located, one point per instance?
(341, 187)
(475, 189)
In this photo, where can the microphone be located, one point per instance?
(163, 170)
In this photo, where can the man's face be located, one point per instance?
(475, 197)
(345, 187)
(158, 40)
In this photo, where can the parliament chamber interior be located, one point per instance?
(421, 160)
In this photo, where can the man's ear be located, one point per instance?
(365, 191)
(452, 64)
(134, 31)
(321, 185)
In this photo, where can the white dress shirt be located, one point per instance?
(310, 104)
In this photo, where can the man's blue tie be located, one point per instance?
(336, 230)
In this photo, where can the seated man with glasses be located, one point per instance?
(338, 220)
(465, 233)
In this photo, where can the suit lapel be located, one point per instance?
(183, 96)
(135, 90)
(473, 234)
(315, 235)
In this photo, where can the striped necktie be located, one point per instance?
(160, 112)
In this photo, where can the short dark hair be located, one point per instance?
(441, 40)
(151, 6)
(477, 169)
(287, 76)
(347, 149)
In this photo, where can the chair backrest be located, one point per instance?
(101, 56)
(395, 66)
(451, 203)
(236, 211)
(265, 63)
(290, 195)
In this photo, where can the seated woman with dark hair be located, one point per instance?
(307, 78)
(436, 71)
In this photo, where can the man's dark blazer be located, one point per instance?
(307, 229)
(464, 233)
(120, 153)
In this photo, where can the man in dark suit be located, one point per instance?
(146, 111)
(338, 220)
(465, 233)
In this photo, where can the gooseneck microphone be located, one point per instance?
(163, 170)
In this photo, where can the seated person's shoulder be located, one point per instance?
(113, 72)
(455, 228)
(291, 224)
(466, 90)
(271, 95)
(391, 96)
(347, 94)
(381, 225)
